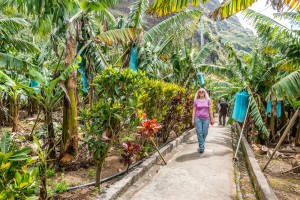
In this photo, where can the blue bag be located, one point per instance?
(240, 106)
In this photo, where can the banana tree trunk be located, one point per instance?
(69, 146)
(297, 138)
(14, 113)
(2, 113)
(51, 135)
(32, 106)
(283, 116)
(273, 119)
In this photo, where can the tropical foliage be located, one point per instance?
(98, 78)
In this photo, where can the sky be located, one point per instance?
(261, 7)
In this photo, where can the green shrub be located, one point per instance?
(16, 182)
(91, 172)
(50, 172)
(62, 186)
(123, 95)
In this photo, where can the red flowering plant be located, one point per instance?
(129, 152)
(148, 129)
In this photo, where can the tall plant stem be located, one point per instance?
(157, 150)
(35, 123)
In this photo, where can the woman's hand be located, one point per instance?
(212, 121)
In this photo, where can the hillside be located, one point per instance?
(229, 30)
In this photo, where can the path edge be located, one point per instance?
(123, 185)
(261, 185)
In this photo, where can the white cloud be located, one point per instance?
(260, 7)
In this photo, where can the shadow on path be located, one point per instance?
(219, 154)
(196, 155)
(187, 157)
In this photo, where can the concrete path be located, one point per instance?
(189, 175)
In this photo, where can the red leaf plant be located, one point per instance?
(129, 151)
(148, 128)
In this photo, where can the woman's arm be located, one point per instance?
(193, 116)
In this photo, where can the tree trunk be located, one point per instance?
(33, 106)
(51, 135)
(297, 138)
(283, 116)
(14, 113)
(69, 146)
(99, 166)
(2, 113)
(273, 119)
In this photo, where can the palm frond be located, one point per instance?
(10, 62)
(256, 116)
(229, 8)
(137, 14)
(288, 64)
(22, 45)
(175, 21)
(123, 36)
(166, 7)
(97, 5)
(270, 30)
(106, 15)
(203, 53)
(6, 80)
(288, 86)
(12, 25)
(169, 38)
(233, 55)
(213, 69)
(293, 17)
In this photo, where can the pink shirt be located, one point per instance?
(202, 109)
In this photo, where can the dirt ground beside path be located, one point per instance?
(285, 185)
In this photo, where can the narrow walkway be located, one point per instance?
(189, 175)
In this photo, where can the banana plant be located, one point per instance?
(66, 18)
(50, 96)
(226, 9)
(14, 86)
(285, 41)
(251, 73)
(162, 41)
(288, 87)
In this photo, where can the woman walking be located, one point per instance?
(202, 115)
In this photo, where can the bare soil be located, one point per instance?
(285, 185)
(80, 172)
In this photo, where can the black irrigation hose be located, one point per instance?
(114, 175)
(105, 179)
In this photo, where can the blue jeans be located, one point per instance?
(202, 131)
